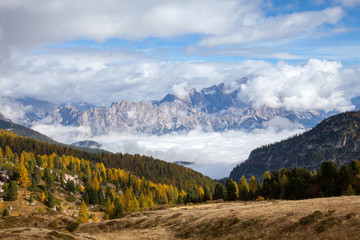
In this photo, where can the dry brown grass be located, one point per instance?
(325, 218)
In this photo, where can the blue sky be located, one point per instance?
(118, 48)
(333, 41)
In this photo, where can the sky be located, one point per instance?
(298, 55)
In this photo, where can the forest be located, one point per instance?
(40, 169)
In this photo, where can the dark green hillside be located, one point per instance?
(155, 170)
(335, 139)
(25, 131)
(28, 132)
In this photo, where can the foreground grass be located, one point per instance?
(325, 218)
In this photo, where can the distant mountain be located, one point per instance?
(87, 144)
(335, 139)
(216, 108)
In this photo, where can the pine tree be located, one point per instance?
(23, 179)
(243, 188)
(108, 207)
(219, 192)
(12, 191)
(31, 197)
(207, 194)
(51, 200)
(83, 213)
(349, 191)
(231, 190)
(119, 209)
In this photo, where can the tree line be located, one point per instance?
(296, 183)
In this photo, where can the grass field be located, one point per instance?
(321, 218)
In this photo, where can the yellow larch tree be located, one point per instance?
(83, 213)
(253, 185)
(95, 183)
(23, 179)
(43, 197)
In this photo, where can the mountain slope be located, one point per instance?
(335, 139)
(25, 131)
(28, 132)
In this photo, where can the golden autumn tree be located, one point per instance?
(83, 213)
(43, 197)
(253, 185)
(95, 183)
(1, 153)
(23, 180)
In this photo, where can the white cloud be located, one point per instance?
(348, 3)
(279, 27)
(101, 77)
(11, 109)
(279, 123)
(316, 84)
(28, 24)
(63, 134)
(179, 90)
(212, 153)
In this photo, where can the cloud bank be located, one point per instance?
(213, 154)
(100, 79)
(317, 84)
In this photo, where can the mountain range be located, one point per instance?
(215, 108)
(335, 139)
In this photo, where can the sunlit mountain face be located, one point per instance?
(201, 82)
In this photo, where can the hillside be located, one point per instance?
(25, 131)
(143, 166)
(335, 139)
(78, 189)
(326, 218)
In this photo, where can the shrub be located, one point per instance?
(6, 212)
(72, 226)
(70, 198)
(260, 198)
(54, 224)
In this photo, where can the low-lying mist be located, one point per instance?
(212, 153)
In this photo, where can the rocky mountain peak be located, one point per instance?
(214, 108)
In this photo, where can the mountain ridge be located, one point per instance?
(215, 108)
(335, 139)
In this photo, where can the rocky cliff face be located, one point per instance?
(335, 139)
(216, 108)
